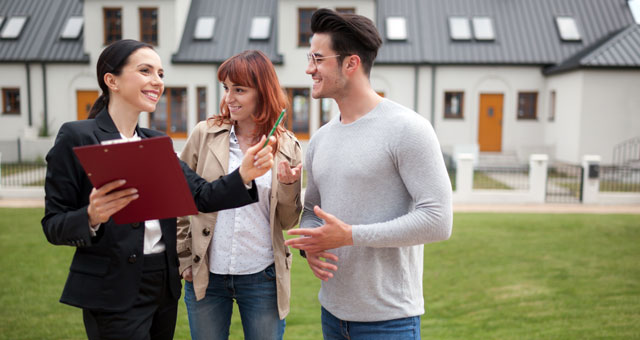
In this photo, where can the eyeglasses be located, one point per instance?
(311, 57)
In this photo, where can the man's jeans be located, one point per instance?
(210, 317)
(398, 329)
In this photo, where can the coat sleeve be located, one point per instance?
(66, 221)
(289, 204)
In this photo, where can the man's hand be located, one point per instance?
(106, 201)
(322, 269)
(257, 160)
(333, 234)
(187, 275)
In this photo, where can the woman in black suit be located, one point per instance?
(125, 277)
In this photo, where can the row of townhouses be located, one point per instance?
(560, 77)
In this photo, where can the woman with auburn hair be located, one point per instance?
(240, 254)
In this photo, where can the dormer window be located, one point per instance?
(72, 28)
(568, 29)
(459, 28)
(13, 28)
(483, 28)
(260, 28)
(205, 28)
(396, 28)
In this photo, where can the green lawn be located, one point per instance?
(501, 276)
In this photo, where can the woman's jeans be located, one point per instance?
(398, 329)
(256, 296)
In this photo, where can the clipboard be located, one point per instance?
(149, 165)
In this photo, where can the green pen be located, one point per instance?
(274, 127)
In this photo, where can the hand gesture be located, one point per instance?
(288, 174)
(187, 274)
(322, 269)
(333, 234)
(106, 201)
(257, 160)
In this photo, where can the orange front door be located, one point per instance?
(85, 101)
(490, 122)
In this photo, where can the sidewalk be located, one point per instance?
(550, 208)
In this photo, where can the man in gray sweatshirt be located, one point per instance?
(377, 191)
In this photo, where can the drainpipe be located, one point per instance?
(26, 65)
(416, 71)
(433, 96)
(45, 123)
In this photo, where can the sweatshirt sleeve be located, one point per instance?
(421, 167)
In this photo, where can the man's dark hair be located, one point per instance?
(350, 34)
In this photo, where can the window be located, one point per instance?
(453, 104)
(483, 28)
(527, 105)
(170, 116)
(260, 28)
(13, 27)
(10, 101)
(346, 10)
(552, 106)
(202, 103)
(459, 28)
(205, 27)
(72, 28)
(568, 29)
(304, 26)
(149, 26)
(298, 111)
(396, 28)
(112, 25)
(325, 110)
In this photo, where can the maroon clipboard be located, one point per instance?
(149, 165)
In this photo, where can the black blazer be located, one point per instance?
(106, 269)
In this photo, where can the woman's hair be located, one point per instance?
(350, 34)
(253, 69)
(111, 60)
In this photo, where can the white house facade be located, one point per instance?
(559, 77)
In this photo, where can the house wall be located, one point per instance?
(564, 132)
(610, 111)
(171, 14)
(522, 137)
(14, 75)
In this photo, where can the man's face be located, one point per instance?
(325, 71)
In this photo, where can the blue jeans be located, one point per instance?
(256, 296)
(398, 329)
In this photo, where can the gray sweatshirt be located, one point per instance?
(384, 174)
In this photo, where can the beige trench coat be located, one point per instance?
(207, 152)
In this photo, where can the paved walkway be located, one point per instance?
(548, 208)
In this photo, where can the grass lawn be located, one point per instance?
(501, 276)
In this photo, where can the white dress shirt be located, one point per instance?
(241, 242)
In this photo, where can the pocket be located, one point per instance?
(90, 264)
(270, 273)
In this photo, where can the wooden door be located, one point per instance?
(490, 122)
(85, 100)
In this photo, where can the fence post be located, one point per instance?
(464, 175)
(538, 177)
(590, 178)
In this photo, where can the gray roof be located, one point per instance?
(231, 35)
(619, 50)
(40, 38)
(525, 30)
